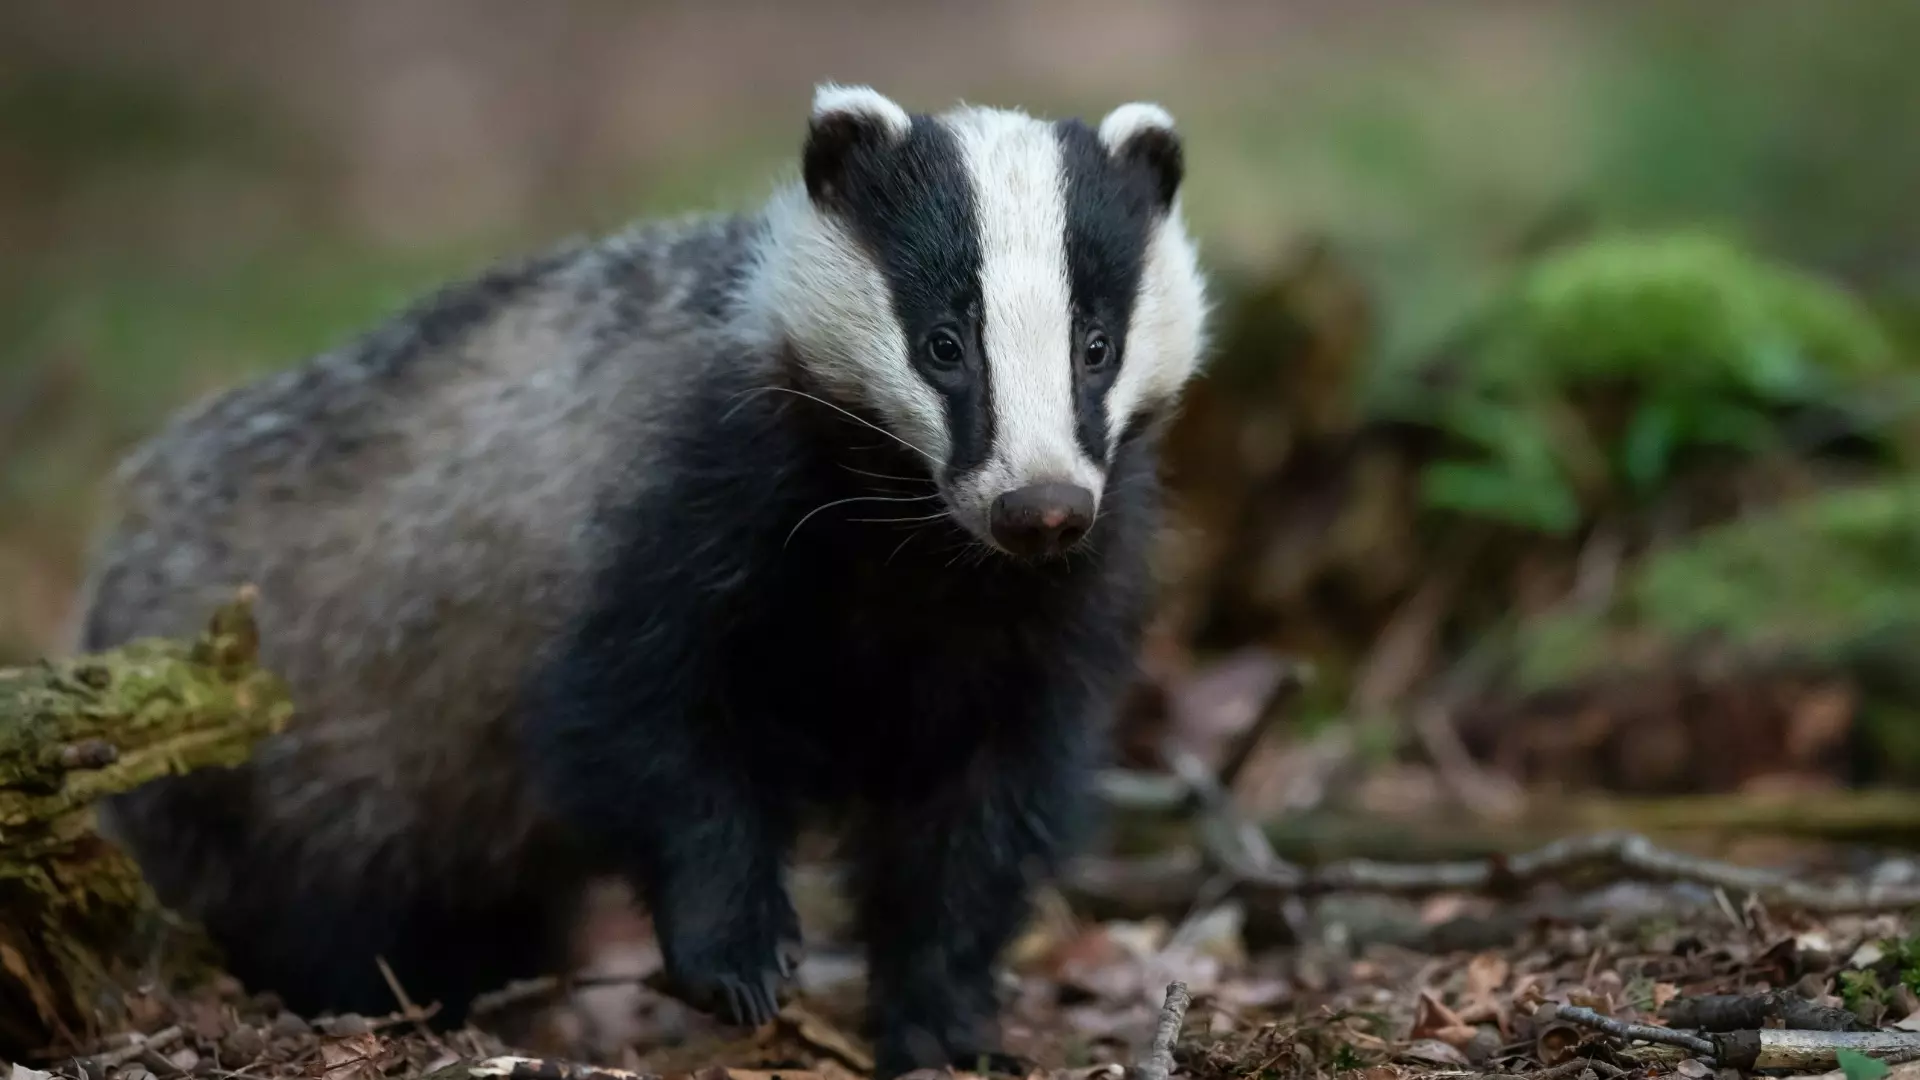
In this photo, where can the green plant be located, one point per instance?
(1857, 1066)
(1607, 362)
(1906, 955)
(1860, 990)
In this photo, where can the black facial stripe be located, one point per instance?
(1111, 210)
(910, 204)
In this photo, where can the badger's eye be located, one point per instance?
(943, 349)
(1099, 351)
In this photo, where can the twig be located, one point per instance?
(1484, 793)
(1781, 1048)
(1159, 1063)
(530, 1068)
(1292, 680)
(516, 993)
(159, 1040)
(408, 1009)
(1566, 1070)
(1903, 1068)
(1585, 1017)
(544, 986)
(1625, 855)
(1740, 1012)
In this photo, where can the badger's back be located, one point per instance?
(417, 512)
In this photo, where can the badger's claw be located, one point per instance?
(745, 1001)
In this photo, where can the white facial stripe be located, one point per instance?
(1019, 188)
(819, 289)
(1164, 337)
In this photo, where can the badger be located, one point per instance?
(633, 555)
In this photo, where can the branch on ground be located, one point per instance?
(73, 732)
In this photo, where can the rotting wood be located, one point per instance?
(74, 731)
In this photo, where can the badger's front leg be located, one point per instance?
(946, 886)
(631, 751)
(712, 879)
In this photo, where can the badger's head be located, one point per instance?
(1007, 295)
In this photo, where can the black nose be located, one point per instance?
(1041, 519)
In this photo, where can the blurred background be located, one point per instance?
(1560, 435)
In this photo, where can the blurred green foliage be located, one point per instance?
(1606, 363)
(1816, 578)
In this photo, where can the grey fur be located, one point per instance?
(418, 512)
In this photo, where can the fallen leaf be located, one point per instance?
(1434, 1021)
(355, 1057)
(1486, 973)
(1556, 1042)
(21, 1072)
(1431, 1015)
(1693, 1069)
(1255, 993)
(1433, 1052)
(1141, 939)
(823, 1036)
(1664, 993)
(1442, 907)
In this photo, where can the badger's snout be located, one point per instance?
(1041, 519)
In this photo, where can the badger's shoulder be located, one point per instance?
(512, 406)
(577, 318)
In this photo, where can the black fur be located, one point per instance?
(729, 680)
(1111, 208)
(910, 204)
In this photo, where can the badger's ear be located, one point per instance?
(1141, 134)
(847, 120)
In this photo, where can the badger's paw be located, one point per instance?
(748, 1001)
(740, 981)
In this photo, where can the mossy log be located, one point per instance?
(72, 905)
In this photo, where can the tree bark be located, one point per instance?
(72, 905)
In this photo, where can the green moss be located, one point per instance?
(1608, 362)
(1816, 574)
(1686, 310)
(74, 731)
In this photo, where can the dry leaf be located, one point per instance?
(1662, 994)
(823, 1036)
(355, 1057)
(1866, 956)
(1486, 973)
(1432, 1014)
(1434, 1020)
(1556, 1042)
(1433, 1052)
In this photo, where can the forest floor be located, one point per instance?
(1085, 998)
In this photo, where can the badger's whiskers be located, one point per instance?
(804, 518)
(855, 417)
